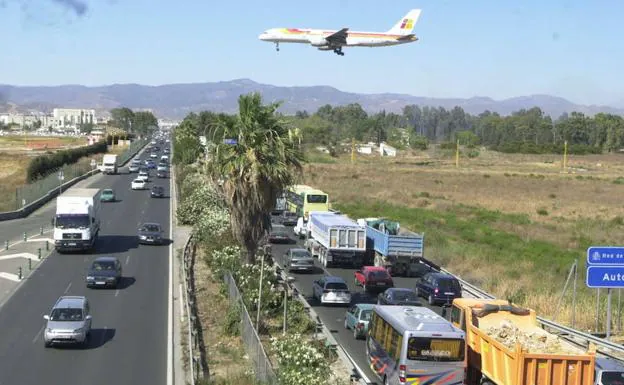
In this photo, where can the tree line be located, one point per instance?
(525, 131)
(135, 122)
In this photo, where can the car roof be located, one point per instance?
(298, 249)
(438, 274)
(395, 289)
(107, 190)
(365, 306)
(333, 278)
(150, 223)
(105, 259)
(608, 364)
(375, 268)
(70, 301)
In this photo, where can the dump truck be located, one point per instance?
(400, 251)
(335, 239)
(506, 346)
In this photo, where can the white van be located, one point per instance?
(164, 158)
(608, 372)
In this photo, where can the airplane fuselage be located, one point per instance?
(317, 38)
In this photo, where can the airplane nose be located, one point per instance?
(262, 36)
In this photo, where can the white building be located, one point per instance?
(64, 118)
(386, 150)
(25, 120)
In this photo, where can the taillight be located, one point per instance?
(359, 325)
(402, 369)
(436, 291)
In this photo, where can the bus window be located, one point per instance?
(333, 235)
(435, 349)
(315, 198)
(352, 238)
(342, 240)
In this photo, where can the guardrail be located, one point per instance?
(49, 187)
(198, 363)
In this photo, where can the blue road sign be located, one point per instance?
(607, 255)
(230, 141)
(605, 277)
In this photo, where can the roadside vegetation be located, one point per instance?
(227, 192)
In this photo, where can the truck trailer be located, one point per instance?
(77, 220)
(399, 251)
(109, 164)
(335, 239)
(506, 346)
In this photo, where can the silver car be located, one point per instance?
(299, 259)
(69, 322)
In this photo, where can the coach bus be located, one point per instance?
(414, 345)
(302, 199)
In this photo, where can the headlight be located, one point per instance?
(143, 237)
(90, 278)
(48, 330)
(78, 330)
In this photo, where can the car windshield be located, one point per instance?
(107, 192)
(404, 295)
(448, 285)
(612, 378)
(72, 221)
(66, 314)
(336, 286)
(301, 254)
(103, 265)
(150, 227)
(366, 315)
(137, 181)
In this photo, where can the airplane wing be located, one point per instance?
(338, 38)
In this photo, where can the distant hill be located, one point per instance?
(174, 101)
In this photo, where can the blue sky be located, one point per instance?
(467, 48)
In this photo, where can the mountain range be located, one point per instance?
(174, 101)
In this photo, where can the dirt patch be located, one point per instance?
(226, 354)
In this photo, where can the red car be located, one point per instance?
(373, 278)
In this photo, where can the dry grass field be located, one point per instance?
(16, 153)
(513, 224)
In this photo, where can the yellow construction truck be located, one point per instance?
(506, 346)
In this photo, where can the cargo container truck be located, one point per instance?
(77, 220)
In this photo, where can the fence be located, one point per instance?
(262, 365)
(31, 192)
(197, 348)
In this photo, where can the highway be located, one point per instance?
(129, 338)
(333, 316)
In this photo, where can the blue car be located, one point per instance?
(357, 318)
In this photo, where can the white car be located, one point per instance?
(164, 158)
(143, 175)
(153, 155)
(138, 184)
(133, 168)
(162, 167)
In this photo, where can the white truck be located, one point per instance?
(109, 164)
(77, 220)
(335, 239)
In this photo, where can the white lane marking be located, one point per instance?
(67, 288)
(9, 276)
(38, 334)
(170, 294)
(116, 292)
(127, 259)
(360, 371)
(181, 299)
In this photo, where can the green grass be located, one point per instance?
(319, 157)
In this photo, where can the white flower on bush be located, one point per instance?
(300, 362)
(199, 196)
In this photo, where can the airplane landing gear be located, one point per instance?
(277, 46)
(338, 51)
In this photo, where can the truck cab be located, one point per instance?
(77, 220)
(109, 164)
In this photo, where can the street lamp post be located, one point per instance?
(61, 177)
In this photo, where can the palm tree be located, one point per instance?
(255, 170)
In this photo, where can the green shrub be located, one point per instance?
(44, 165)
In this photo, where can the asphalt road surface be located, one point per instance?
(333, 316)
(129, 337)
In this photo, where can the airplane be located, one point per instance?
(326, 40)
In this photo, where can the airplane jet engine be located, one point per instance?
(318, 41)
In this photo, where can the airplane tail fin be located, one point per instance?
(406, 24)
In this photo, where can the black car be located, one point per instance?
(157, 192)
(398, 296)
(104, 272)
(150, 234)
(438, 288)
(279, 234)
(161, 174)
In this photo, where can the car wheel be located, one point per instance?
(431, 300)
